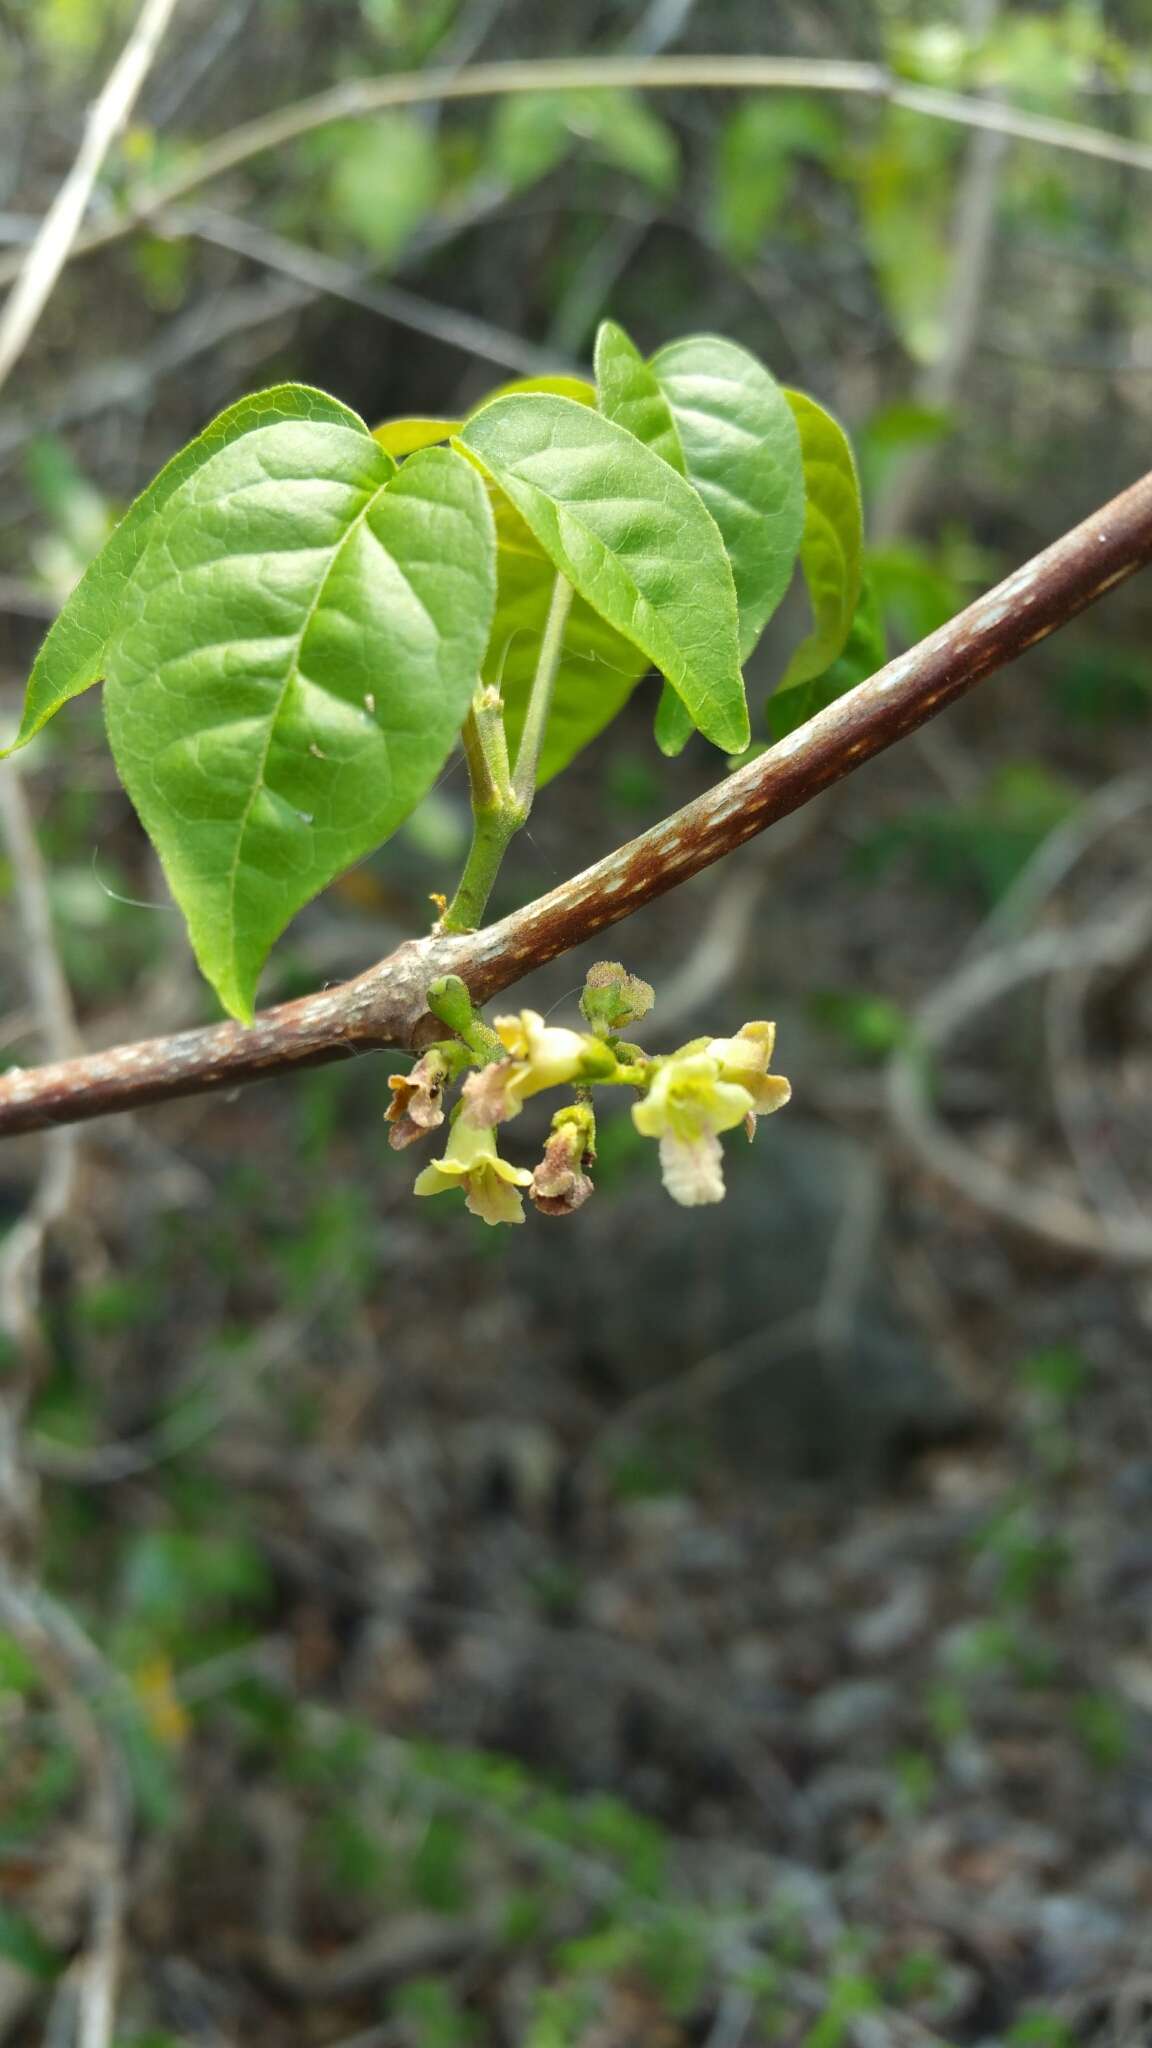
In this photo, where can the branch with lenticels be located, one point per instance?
(385, 1006)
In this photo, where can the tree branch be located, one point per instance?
(359, 97)
(385, 1006)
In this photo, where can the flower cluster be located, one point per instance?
(684, 1099)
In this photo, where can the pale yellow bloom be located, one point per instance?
(687, 1106)
(554, 1054)
(471, 1163)
(746, 1059)
(542, 1056)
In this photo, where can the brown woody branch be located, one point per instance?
(385, 1006)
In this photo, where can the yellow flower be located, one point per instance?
(687, 1105)
(554, 1054)
(746, 1059)
(542, 1056)
(491, 1187)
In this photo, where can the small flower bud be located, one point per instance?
(613, 998)
(559, 1184)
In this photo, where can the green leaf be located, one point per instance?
(553, 387)
(529, 136)
(672, 727)
(301, 643)
(598, 669)
(533, 132)
(905, 182)
(384, 182)
(72, 656)
(629, 394)
(626, 132)
(756, 162)
(742, 452)
(632, 537)
(23, 1945)
(832, 546)
(865, 651)
(405, 437)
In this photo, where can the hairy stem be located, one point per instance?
(500, 801)
(540, 698)
(496, 812)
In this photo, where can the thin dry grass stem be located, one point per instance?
(359, 98)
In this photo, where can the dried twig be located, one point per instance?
(23, 1248)
(386, 1006)
(81, 1687)
(325, 274)
(1057, 1219)
(68, 1663)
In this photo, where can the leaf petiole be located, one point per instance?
(501, 800)
(540, 697)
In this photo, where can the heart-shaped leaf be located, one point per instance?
(832, 546)
(301, 642)
(71, 657)
(742, 452)
(632, 537)
(629, 394)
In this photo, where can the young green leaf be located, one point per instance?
(598, 670)
(384, 181)
(533, 132)
(552, 387)
(301, 642)
(629, 394)
(742, 452)
(672, 726)
(758, 153)
(832, 547)
(72, 656)
(404, 437)
(632, 537)
(865, 650)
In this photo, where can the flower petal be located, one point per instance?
(693, 1172)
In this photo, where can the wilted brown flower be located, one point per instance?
(417, 1104)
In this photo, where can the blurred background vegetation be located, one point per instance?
(660, 1629)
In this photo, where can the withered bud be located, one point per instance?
(613, 998)
(489, 1094)
(417, 1104)
(559, 1183)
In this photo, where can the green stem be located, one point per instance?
(492, 829)
(496, 814)
(501, 801)
(540, 698)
